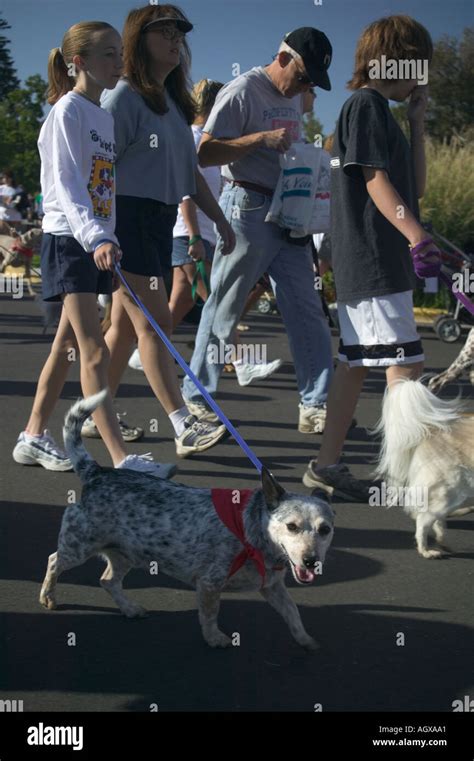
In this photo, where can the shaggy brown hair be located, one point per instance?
(397, 37)
(137, 63)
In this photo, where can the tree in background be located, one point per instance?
(451, 89)
(312, 127)
(21, 114)
(8, 78)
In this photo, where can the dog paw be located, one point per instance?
(48, 601)
(134, 611)
(219, 639)
(431, 553)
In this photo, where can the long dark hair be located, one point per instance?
(137, 68)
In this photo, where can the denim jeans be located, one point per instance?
(260, 248)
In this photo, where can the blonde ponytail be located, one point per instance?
(78, 40)
(58, 77)
(204, 95)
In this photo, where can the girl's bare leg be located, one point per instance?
(181, 300)
(53, 376)
(81, 309)
(120, 339)
(157, 362)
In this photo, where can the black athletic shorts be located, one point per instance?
(144, 229)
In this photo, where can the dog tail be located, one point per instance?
(81, 460)
(410, 413)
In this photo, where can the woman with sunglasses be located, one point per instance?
(156, 167)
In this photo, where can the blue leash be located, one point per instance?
(212, 404)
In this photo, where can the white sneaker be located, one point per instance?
(144, 463)
(246, 372)
(135, 362)
(203, 413)
(198, 436)
(41, 450)
(312, 419)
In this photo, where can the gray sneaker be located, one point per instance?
(41, 450)
(202, 413)
(338, 481)
(129, 433)
(198, 436)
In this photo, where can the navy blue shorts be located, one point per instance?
(67, 268)
(144, 229)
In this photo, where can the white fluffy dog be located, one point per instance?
(427, 447)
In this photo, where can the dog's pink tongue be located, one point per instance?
(304, 574)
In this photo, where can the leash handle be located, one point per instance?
(177, 356)
(200, 273)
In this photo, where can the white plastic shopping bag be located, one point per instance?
(301, 199)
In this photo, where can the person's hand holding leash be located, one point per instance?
(426, 258)
(106, 256)
(197, 250)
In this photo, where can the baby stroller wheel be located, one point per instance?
(448, 330)
(438, 319)
(264, 306)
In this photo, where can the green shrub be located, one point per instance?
(448, 202)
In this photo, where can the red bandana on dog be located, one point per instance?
(24, 250)
(231, 515)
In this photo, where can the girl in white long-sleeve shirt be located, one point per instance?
(79, 248)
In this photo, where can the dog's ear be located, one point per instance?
(272, 491)
(324, 494)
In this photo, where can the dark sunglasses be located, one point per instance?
(303, 78)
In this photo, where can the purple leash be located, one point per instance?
(177, 356)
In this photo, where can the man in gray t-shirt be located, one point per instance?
(255, 118)
(252, 105)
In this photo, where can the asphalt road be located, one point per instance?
(374, 588)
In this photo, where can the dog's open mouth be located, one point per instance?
(300, 574)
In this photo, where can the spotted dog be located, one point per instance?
(133, 519)
(464, 361)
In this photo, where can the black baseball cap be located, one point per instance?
(316, 51)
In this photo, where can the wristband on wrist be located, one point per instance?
(194, 240)
(101, 243)
(420, 245)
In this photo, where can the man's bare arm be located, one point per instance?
(216, 152)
